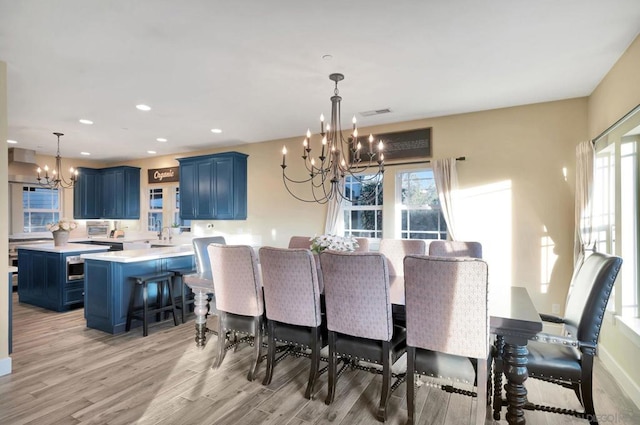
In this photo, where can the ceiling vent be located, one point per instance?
(375, 112)
(25, 156)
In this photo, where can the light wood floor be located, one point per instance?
(64, 373)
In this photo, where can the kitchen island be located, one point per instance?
(108, 283)
(51, 276)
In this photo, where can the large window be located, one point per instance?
(615, 223)
(363, 209)
(421, 216)
(164, 209)
(40, 207)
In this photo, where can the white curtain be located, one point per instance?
(585, 159)
(446, 177)
(334, 224)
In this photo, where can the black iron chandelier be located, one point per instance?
(56, 180)
(338, 158)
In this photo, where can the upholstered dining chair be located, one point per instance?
(567, 358)
(359, 321)
(396, 249)
(300, 242)
(447, 325)
(363, 245)
(292, 305)
(455, 249)
(238, 291)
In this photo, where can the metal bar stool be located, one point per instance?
(162, 280)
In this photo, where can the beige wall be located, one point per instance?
(4, 247)
(617, 94)
(516, 198)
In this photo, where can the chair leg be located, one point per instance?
(497, 376)
(386, 381)
(586, 389)
(481, 390)
(174, 311)
(145, 308)
(271, 353)
(411, 386)
(332, 368)
(257, 347)
(222, 339)
(132, 301)
(315, 361)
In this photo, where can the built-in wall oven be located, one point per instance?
(75, 268)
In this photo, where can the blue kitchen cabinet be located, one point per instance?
(107, 193)
(108, 288)
(214, 187)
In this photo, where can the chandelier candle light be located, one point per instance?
(338, 157)
(56, 180)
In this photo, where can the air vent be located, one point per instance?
(375, 112)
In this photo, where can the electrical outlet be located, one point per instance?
(209, 225)
(555, 308)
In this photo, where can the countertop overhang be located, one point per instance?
(67, 249)
(137, 255)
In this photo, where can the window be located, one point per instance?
(40, 206)
(164, 209)
(615, 221)
(363, 207)
(421, 216)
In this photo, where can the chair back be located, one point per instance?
(300, 242)
(363, 245)
(396, 249)
(236, 279)
(290, 285)
(455, 249)
(203, 266)
(591, 288)
(446, 305)
(356, 290)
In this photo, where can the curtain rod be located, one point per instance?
(616, 124)
(428, 161)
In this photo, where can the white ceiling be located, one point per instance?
(255, 68)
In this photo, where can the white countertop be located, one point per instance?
(67, 249)
(136, 255)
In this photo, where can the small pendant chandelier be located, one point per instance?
(56, 180)
(338, 158)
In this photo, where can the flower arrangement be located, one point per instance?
(333, 243)
(64, 224)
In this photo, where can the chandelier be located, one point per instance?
(338, 158)
(56, 180)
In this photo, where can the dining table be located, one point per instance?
(513, 319)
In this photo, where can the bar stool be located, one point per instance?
(162, 280)
(184, 299)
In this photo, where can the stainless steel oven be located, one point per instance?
(75, 268)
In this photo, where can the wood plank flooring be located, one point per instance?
(64, 373)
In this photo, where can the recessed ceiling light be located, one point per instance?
(12, 142)
(143, 107)
(87, 122)
(161, 139)
(151, 152)
(216, 130)
(85, 153)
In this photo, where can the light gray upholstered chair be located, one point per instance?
(447, 325)
(300, 242)
(363, 245)
(359, 318)
(396, 249)
(238, 291)
(292, 305)
(566, 359)
(455, 249)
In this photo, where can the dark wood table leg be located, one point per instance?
(515, 369)
(497, 376)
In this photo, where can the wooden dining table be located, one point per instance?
(513, 320)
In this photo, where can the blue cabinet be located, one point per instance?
(108, 288)
(214, 187)
(43, 282)
(112, 193)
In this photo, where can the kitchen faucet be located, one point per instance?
(161, 232)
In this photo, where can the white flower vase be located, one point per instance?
(60, 237)
(176, 230)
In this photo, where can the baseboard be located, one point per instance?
(627, 385)
(5, 366)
